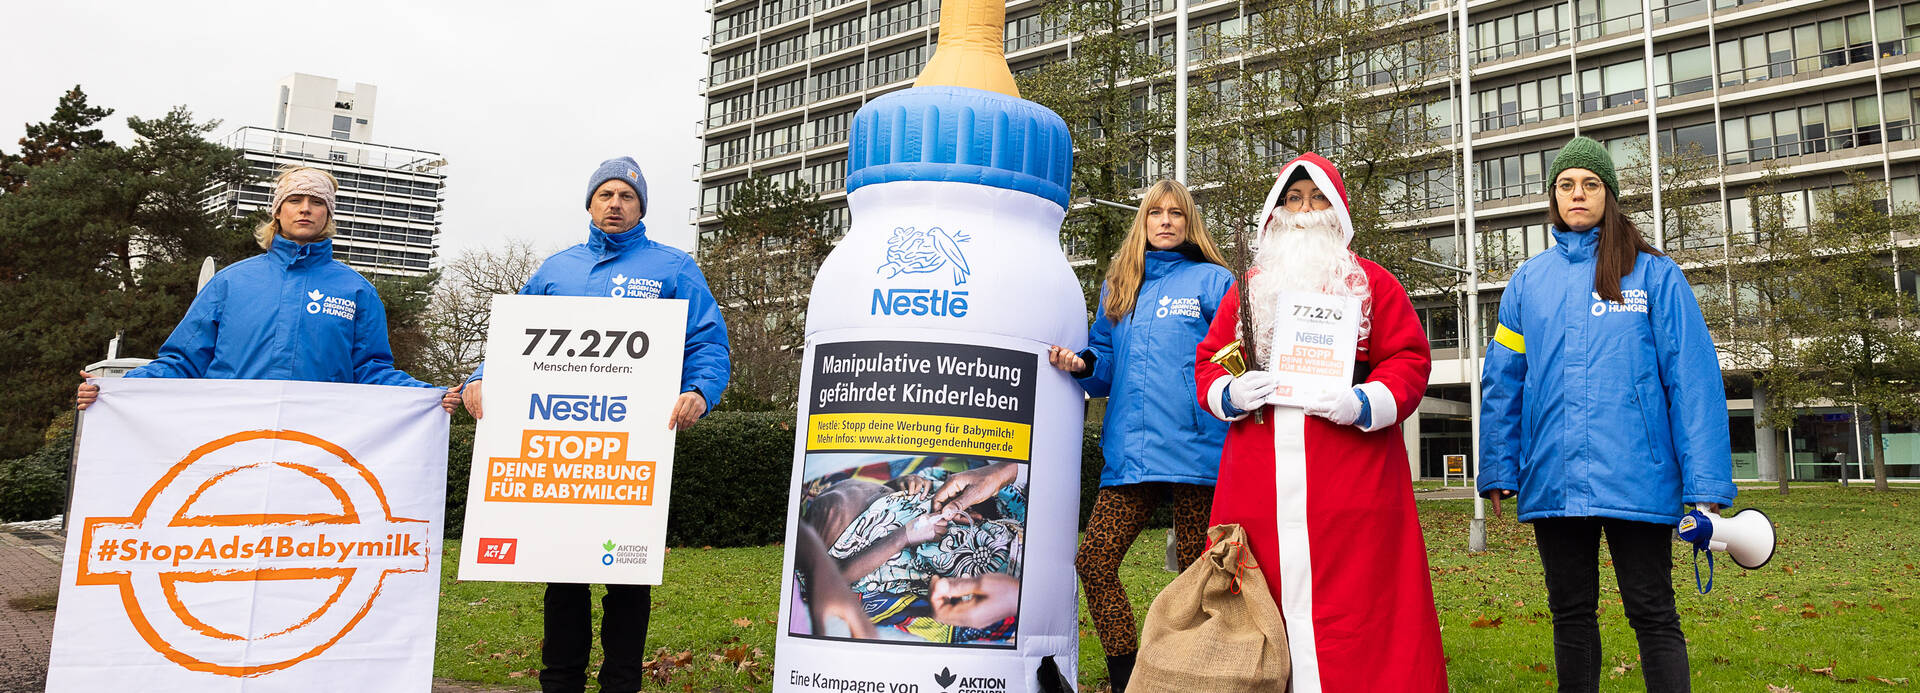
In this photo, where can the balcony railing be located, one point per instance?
(729, 117)
(1838, 57)
(1590, 103)
(795, 9)
(827, 139)
(1676, 11)
(912, 21)
(1605, 27)
(837, 44)
(1497, 121)
(828, 91)
(739, 29)
(1796, 145)
(784, 58)
(1520, 46)
(893, 75)
(1683, 87)
(1038, 37)
(1502, 192)
(730, 75)
(778, 149)
(781, 104)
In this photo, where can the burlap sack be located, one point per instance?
(1216, 628)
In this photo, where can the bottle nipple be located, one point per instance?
(972, 48)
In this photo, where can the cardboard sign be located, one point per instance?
(573, 462)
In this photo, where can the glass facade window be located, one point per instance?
(896, 66)
(838, 36)
(1686, 72)
(1625, 83)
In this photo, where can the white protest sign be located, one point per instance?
(253, 535)
(573, 462)
(1313, 344)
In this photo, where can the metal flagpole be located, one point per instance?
(1477, 537)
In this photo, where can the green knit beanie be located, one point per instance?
(1583, 152)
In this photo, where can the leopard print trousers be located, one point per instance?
(1119, 513)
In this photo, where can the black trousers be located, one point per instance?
(569, 637)
(1643, 567)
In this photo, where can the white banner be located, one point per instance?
(1313, 345)
(252, 535)
(573, 463)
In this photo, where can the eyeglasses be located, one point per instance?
(1565, 188)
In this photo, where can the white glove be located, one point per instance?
(1249, 390)
(1339, 406)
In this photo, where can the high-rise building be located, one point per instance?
(388, 209)
(1813, 89)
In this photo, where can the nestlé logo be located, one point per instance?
(577, 407)
(919, 302)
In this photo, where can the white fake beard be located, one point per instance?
(1303, 252)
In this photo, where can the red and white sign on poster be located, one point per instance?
(1313, 343)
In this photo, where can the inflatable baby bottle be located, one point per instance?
(936, 480)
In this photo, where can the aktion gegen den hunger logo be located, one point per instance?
(218, 577)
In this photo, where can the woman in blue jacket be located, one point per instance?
(1603, 411)
(1161, 290)
(291, 313)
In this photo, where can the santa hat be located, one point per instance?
(1324, 175)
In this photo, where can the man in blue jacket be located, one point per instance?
(618, 260)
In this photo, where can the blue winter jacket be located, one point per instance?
(1592, 408)
(630, 265)
(292, 313)
(1154, 428)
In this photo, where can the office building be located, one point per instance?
(1815, 89)
(388, 208)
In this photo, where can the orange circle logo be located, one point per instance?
(212, 532)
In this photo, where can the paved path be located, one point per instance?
(30, 568)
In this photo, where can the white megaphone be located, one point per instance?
(1747, 537)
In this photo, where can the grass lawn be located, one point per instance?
(1835, 610)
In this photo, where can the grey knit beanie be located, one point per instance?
(1583, 152)
(623, 169)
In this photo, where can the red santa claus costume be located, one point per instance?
(1327, 506)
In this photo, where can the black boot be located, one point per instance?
(1119, 669)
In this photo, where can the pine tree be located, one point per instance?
(760, 265)
(69, 131)
(99, 241)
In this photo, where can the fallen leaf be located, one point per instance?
(743, 622)
(1482, 622)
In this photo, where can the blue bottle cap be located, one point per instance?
(961, 135)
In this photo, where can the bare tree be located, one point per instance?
(457, 317)
(760, 265)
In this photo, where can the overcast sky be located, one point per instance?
(523, 98)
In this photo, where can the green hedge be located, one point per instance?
(731, 479)
(731, 473)
(35, 487)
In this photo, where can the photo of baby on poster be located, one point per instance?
(918, 549)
